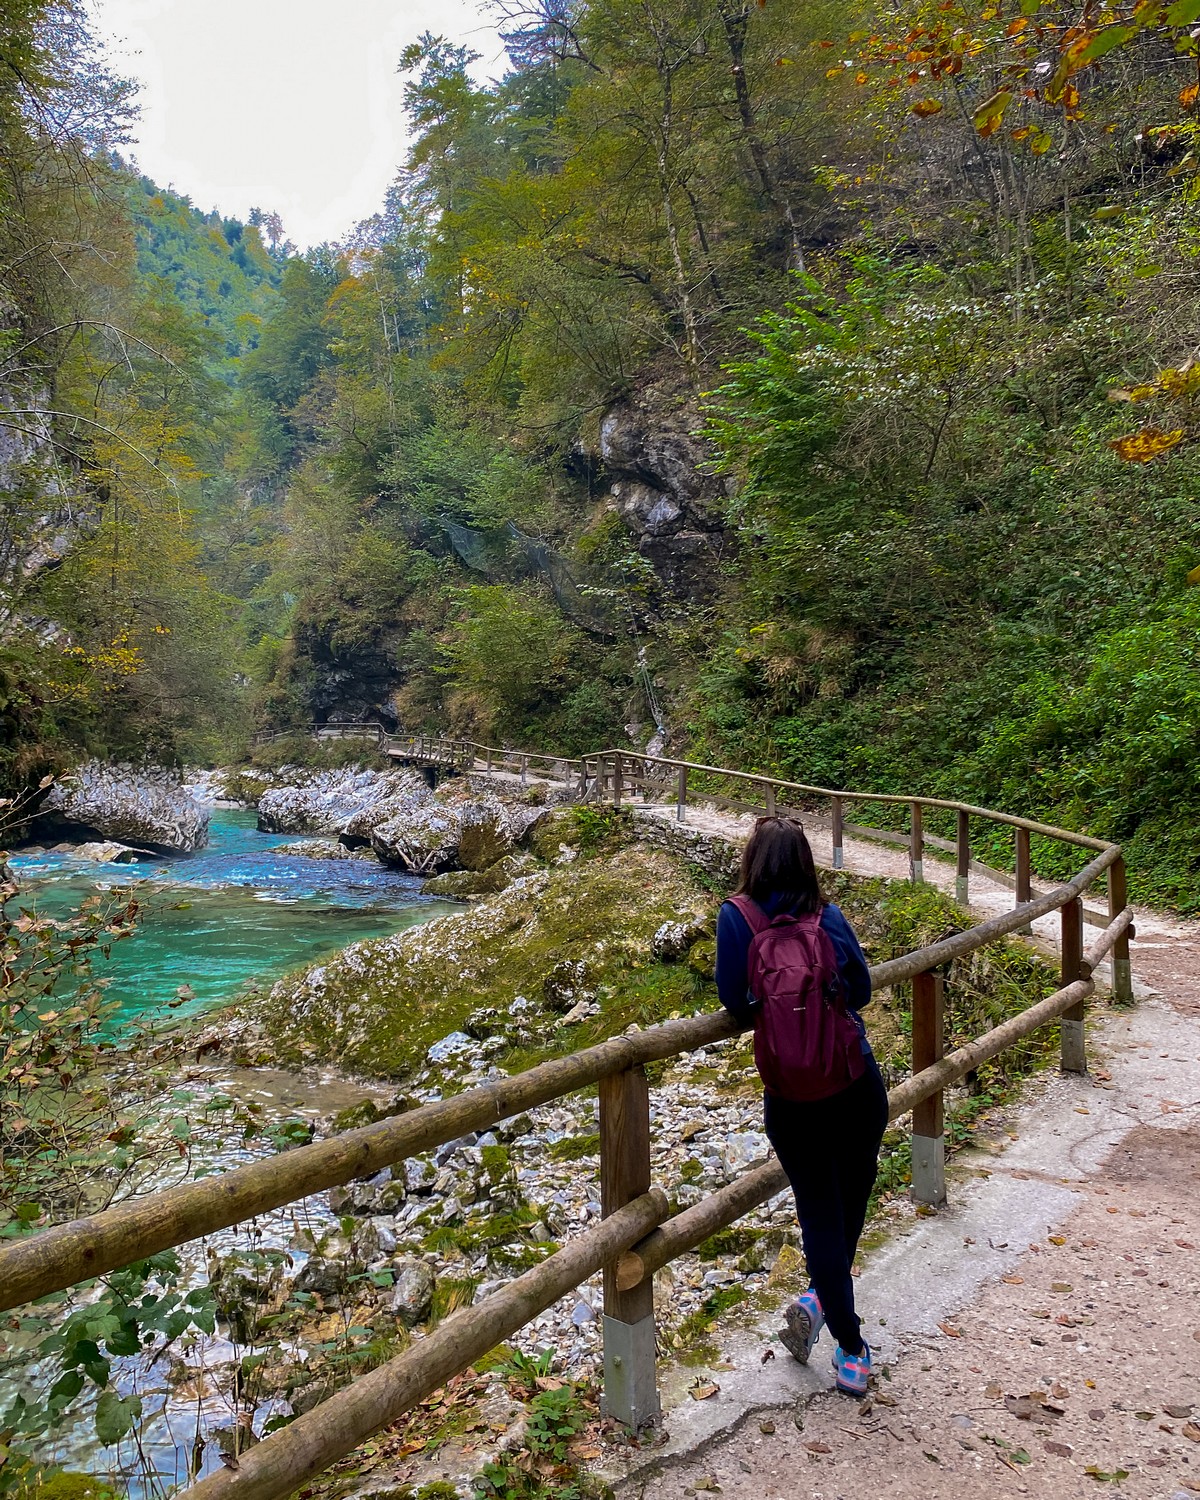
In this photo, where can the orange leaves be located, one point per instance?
(1141, 447)
(989, 116)
(923, 108)
(1189, 95)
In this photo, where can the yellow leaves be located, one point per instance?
(1189, 95)
(1141, 447)
(923, 108)
(989, 116)
(1181, 383)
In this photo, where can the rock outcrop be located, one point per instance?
(108, 852)
(147, 808)
(461, 826)
(349, 801)
(649, 450)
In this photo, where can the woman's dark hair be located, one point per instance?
(778, 860)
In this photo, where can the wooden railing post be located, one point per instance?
(681, 781)
(1024, 881)
(630, 1384)
(928, 1127)
(916, 847)
(1118, 900)
(770, 798)
(1074, 1054)
(962, 879)
(617, 780)
(839, 824)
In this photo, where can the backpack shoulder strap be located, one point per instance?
(756, 919)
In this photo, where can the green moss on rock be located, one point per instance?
(378, 1006)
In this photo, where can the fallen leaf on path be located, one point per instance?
(1060, 1450)
(815, 1445)
(1061, 1286)
(950, 1331)
(993, 1392)
(1104, 1476)
(767, 1428)
(1058, 1239)
(1020, 1406)
(703, 1390)
(708, 1484)
(1190, 1430)
(1014, 1280)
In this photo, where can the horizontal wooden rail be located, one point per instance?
(694, 1225)
(897, 970)
(84, 1248)
(299, 1452)
(635, 1237)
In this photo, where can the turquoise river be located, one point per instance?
(240, 912)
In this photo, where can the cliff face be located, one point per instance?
(39, 520)
(656, 468)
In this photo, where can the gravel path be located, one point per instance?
(1042, 1334)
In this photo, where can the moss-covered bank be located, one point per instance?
(563, 934)
(577, 949)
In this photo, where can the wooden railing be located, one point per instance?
(337, 729)
(620, 776)
(637, 1234)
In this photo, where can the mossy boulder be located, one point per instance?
(378, 1006)
(485, 836)
(462, 885)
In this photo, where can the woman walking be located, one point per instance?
(789, 963)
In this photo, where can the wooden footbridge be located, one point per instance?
(638, 1233)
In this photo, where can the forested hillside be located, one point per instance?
(810, 387)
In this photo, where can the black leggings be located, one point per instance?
(829, 1149)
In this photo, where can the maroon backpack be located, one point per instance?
(806, 1045)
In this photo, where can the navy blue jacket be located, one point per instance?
(733, 953)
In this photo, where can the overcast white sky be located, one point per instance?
(293, 105)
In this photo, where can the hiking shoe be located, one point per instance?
(852, 1371)
(805, 1320)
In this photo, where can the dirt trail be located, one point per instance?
(1039, 1336)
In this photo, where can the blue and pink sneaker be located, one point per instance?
(804, 1319)
(852, 1372)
